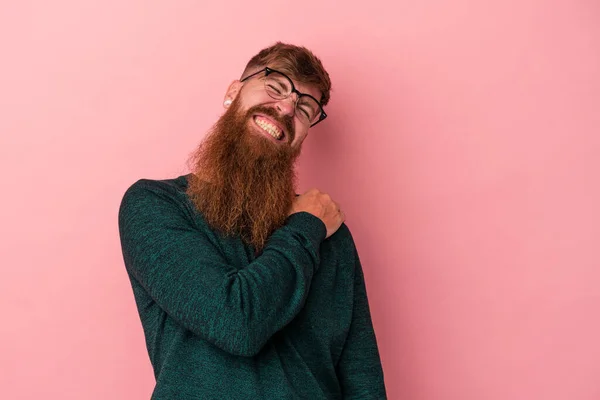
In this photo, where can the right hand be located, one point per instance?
(321, 206)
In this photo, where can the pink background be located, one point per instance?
(462, 143)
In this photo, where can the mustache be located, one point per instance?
(286, 121)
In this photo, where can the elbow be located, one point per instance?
(246, 348)
(241, 341)
(250, 345)
(247, 351)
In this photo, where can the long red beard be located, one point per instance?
(243, 184)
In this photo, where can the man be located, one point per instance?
(246, 290)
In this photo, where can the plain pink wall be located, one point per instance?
(462, 143)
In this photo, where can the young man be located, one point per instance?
(246, 290)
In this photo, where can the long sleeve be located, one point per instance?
(185, 273)
(359, 368)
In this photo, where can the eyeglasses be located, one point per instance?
(279, 87)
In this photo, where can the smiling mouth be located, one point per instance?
(269, 128)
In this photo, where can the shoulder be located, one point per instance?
(173, 185)
(343, 235)
(342, 243)
(153, 194)
(147, 187)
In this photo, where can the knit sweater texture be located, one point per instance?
(220, 322)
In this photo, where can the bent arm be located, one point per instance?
(189, 278)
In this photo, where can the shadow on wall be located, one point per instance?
(363, 157)
(362, 154)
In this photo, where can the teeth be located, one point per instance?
(270, 129)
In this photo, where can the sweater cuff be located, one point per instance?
(309, 225)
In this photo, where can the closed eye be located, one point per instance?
(305, 111)
(275, 88)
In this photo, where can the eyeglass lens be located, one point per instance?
(278, 87)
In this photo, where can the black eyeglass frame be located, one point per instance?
(268, 71)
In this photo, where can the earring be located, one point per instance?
(227, 103)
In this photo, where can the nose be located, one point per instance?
(287, 106)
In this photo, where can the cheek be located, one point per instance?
(252, 98)
(301, 131)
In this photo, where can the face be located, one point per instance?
(275, 120)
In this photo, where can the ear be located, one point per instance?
(232, 91)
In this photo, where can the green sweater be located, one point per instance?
(221, 323)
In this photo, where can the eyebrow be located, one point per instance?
(305, 93)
